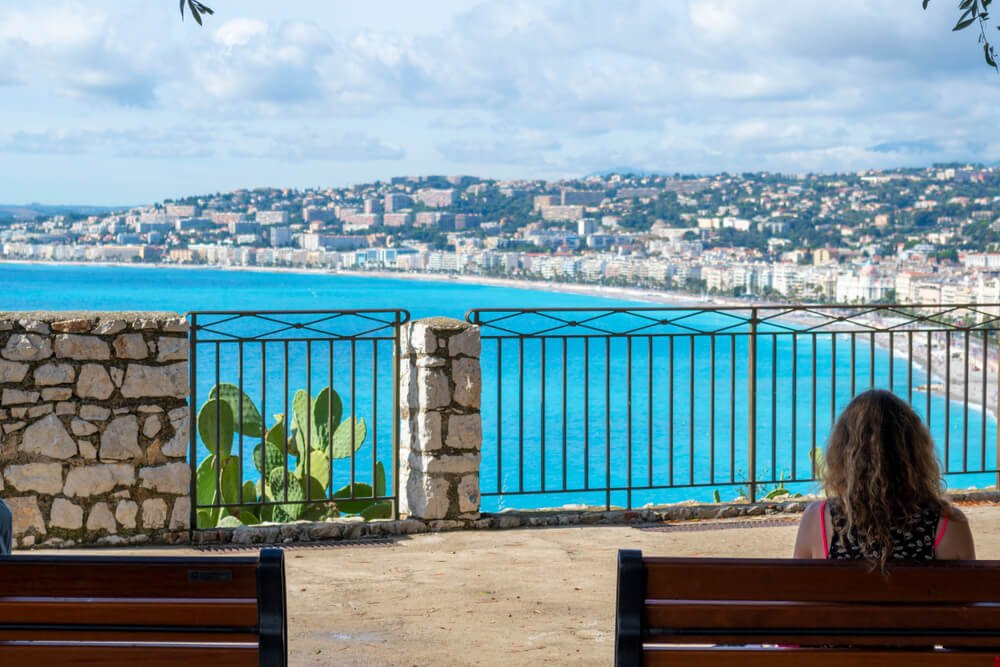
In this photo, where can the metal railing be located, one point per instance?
(296, 415)
(628, 406)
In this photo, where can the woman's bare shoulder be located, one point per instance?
(954, 513)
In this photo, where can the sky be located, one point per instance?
(106, 102)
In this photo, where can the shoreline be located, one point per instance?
(667, 300)
(641, 294)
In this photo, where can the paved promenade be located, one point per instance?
(517, 597)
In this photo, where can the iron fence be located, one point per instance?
(296, 415)
(628, 406)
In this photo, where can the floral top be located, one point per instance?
(913, 539)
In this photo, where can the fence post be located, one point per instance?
(440, 424)
(752, 408)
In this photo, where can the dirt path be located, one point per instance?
(514, 597)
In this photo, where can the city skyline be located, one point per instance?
(121, 106)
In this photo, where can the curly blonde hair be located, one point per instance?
(881, 468)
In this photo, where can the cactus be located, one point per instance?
(315, 417)
(275, 458)
(229, 482)
(342, 438)
(327, 410)
(251, 423)
(248, 518)
(316, 422)
(276, 482)
(319, 472)
(379, 510)
(359, 491)
(216, 419)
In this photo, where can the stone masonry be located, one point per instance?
(441, 427)
(94, 423)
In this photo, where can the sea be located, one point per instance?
(579, 420)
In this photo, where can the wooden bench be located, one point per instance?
(148, 612)
(762, 613)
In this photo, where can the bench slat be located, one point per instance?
(749, 657)
(129, 576)
(233, 613)
(58, 635)
(820, 581)
(765, 616)
(165, 655)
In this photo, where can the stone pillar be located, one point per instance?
(441, 428)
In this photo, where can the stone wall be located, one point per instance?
(441, 427)
(94, 417)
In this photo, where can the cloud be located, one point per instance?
(84, 53)
(703, 85)
(317, 145)
(143, 143)
(909, 146)
(505, 147)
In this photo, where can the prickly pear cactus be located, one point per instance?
(215, 426)
(347, 439)
(276, 481)
(251, 422)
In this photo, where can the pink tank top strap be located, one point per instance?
(822, 528)
(944, 525)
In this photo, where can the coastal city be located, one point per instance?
(928, 235)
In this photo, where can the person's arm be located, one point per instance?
(809, 541)
(956, 542)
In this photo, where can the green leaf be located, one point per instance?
(205, 482)
(249, 492)
(215, 418)
(276, 481)
(248, 519)
(926, 2)
(252, 422)
(300, 418)
(780, 491)
(965, 4)
(319, 471)
(987, 50)
(379, 479)
(342, 438)
(347, 506)
(380, 510)
(230, 481)
(962, 25)
(274, 458)
(229, 521)
(207, 518)
(327, 410)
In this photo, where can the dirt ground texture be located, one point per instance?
(542, 596)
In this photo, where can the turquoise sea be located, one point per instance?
(584, 416)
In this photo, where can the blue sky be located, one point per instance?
(110, 102)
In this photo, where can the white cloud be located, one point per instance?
(316, 145)
(701, 85)
(145, 143)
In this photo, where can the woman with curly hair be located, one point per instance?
(885, 494)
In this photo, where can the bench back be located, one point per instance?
(147, 611)
(664, 603)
